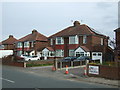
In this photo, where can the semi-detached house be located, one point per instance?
(79, 40)
(8, 44)
(7, 47)
(117, 48)
(31, 44)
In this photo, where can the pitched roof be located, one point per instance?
(50, 48)
(10, 40)
(117, 30)
(85, 48)
(77, 29)
(34, 36)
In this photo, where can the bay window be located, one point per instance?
(59, 53)
(71, 52)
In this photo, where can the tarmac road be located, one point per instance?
(17, 77)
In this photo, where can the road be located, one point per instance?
(17, 77)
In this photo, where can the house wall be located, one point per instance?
(39, 44)
(89, 42)
(9, 47)
(93, 42)
(117, 49)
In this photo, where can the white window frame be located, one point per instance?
(71, 52)
(59, 53)
(51, 41)
(26, 44)
(19, 44)
(84, 39)
(61, 40)
(32, 44)
(73, 39)
(101, 41)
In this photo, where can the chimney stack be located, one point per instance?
(34, 31)
(10, 36)
(76, 23)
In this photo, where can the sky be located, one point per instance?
(20, 18)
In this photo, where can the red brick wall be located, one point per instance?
(110, 72)
(59, 47)
(19, 64)
(9, 47)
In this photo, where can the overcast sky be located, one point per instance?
(19, 19)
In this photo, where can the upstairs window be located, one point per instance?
(101, 41)
(84, 39)
(51, 41)
(73, 39)
(32, 44)
(59, 40)
(19, 44)
(26, 44)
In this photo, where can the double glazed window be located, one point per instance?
(84, 39)
(101, 41)
(26, 44)
(59, 40)
(73, 39)
(71, 52)
(51, 41)
(59, 53)
(19, 44)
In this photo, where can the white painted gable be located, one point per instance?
(80, 50)
(32, 53)
(45, 50)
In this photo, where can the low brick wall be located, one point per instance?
(110, 72)
(22, 64)
(19, 64)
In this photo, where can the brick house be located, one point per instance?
(80, 40)
(8, 44)
(117, 49)
(31, 44)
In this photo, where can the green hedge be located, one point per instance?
(34, 65)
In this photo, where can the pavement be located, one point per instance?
(75, 74)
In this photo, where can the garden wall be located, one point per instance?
(110, 72)
(19, 64)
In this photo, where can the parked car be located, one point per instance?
(82, 58)
(23, 55)
(31, 58)
(67, 59)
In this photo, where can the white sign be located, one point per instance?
(94, 70)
